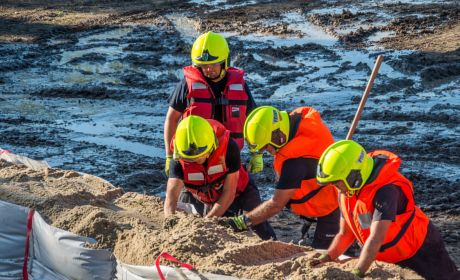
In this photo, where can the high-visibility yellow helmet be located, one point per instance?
(345, 161)
(194, 138)
(266, 125)
(210, 48)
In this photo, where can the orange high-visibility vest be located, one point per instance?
(407, 233)
(310, 141)
(233, 100)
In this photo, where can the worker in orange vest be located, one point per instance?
(296, 140)
(379, 211)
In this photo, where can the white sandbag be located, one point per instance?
(136, 272)
(64, 254)
(13, 227)
(22, 160)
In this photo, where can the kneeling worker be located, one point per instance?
(296, 140)
(378, 210)
(208, 165)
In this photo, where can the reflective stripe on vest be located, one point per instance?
(236, 87)
(195, 176)
(197, 85)
(215, 169)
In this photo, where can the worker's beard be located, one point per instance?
(214, 75)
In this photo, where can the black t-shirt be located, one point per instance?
(232, 161)
(295, 170)
(179, 102)
(389, 201)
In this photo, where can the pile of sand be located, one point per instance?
(131, 225)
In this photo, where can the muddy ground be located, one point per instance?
(84, 85)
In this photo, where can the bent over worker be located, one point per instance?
(379, 211)
(208, 166)
(296, 140)
(213, 90)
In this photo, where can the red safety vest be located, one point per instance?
(234, 100)
(205, 182)
(407, 233)
(310, 141)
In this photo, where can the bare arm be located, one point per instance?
(173, 188)
(227, 197)
(170, 125)
(373, 243)
(342, 240)
(270, 207)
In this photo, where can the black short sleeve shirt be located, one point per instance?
(295, 170)
(389, 201)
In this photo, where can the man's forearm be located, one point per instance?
(368, 254)
(170, 125)
(168, 135)
(373, 243)
(169, 207)
(264, 211)
(173, 189)
(227, 197)
(340, 244)
(219, 208)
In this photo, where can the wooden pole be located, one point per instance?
(352, 129)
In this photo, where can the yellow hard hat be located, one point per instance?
(194, 138)
(266, 125)
(345, 161)
(210, 48)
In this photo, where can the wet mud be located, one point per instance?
(88, 91)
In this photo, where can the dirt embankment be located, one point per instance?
(131, 225)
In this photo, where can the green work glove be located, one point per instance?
(358, 272)
(256, 164)
(238, 223)
(168, 161)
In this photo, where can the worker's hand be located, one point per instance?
(167, 162)
(256, 164)
(170, 221)
(237, 223)
(357, 272)
(323, 258)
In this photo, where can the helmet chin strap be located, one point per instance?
(350, 193)
(222, 73)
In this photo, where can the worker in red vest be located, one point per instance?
(208, 167)
(296, 140)
(213, 90)
(379, 211)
